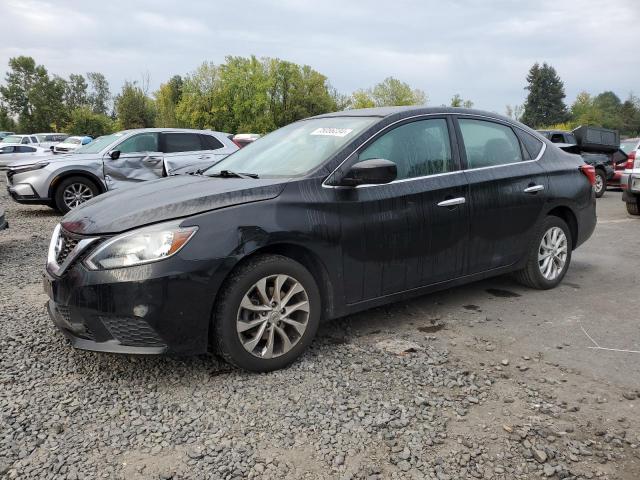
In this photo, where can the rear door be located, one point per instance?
(507, 192)
(182, 149)
(140, 160)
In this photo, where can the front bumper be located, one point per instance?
(163, 307)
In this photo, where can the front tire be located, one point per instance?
(74, 191)
(601, 183)
(549, 255)
(267, 314)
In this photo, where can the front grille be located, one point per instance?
(67, 246)
(132, 331)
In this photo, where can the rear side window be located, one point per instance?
(488, 144)
(25, 140)
(181, 142)
(209, 142)
(418, 148)
(531, 144)
(23, 149)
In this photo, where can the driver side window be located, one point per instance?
(418, 148)
(142, 142)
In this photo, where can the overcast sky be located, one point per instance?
(479, 49)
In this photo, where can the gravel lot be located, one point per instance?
(460, 384)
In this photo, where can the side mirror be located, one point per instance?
(115, 154)
(376, 171)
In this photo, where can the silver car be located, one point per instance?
(12, 152)
(23, 139)
(112, 162)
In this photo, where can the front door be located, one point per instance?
(507, 192)
(412, 231)
(140, 160)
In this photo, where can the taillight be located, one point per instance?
(590, 173)
(238, 144)
(630, 159)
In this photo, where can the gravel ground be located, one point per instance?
(395, 392)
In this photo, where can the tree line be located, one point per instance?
(250, 94)
(545, 106)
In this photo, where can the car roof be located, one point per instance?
(412, 110)
(179, 130)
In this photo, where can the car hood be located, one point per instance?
(166, 199)
(53, 158)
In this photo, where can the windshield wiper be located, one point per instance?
(230, 174)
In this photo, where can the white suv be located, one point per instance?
(630, 179)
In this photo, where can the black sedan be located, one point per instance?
(322, 218)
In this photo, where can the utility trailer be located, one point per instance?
(599, 147)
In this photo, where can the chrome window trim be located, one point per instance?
(357, 150)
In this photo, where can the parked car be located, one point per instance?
(50, 139)
(244, 139)
(71, 144)
(630, 178)
(12, 152)
(5, 134)
(114, 161)
(23, 139)
(322, 218)
(599, 147)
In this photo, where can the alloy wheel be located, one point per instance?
(599, 183)
(76, 194)
(273, 316)
(552, 253)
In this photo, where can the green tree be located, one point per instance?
(99, 96)
(609, 106)
(392, 91)
(7, 123)
(167, 98)
(133, 108)
(389, 92)
(75, 94)
(545, 101)
(630, 116)
(32, 96)
(584, 111)
(362, 99)
(196, 106)
(247, 94)
(458, 101)
(84, 121)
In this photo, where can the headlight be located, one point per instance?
(145, 245)
(28, 168)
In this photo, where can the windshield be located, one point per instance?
(73, 140)
(100, 143)
(628, 145)
(12, 139)
(295, 149)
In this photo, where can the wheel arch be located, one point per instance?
(565, 213)
(75, 173)
(306, 257)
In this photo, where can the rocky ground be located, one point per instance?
(424, 389)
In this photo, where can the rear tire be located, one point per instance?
(601, 183)
(256, 328)
(72, 192)
(549, 255)
(633, 208)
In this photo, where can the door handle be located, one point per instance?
(534, 189)
(204, 157)
(452, 202)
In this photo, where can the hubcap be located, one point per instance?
(552, 254)
(273, 316)
(75, 194)
(599, 183)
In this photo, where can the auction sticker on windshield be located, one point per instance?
(332, 132)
